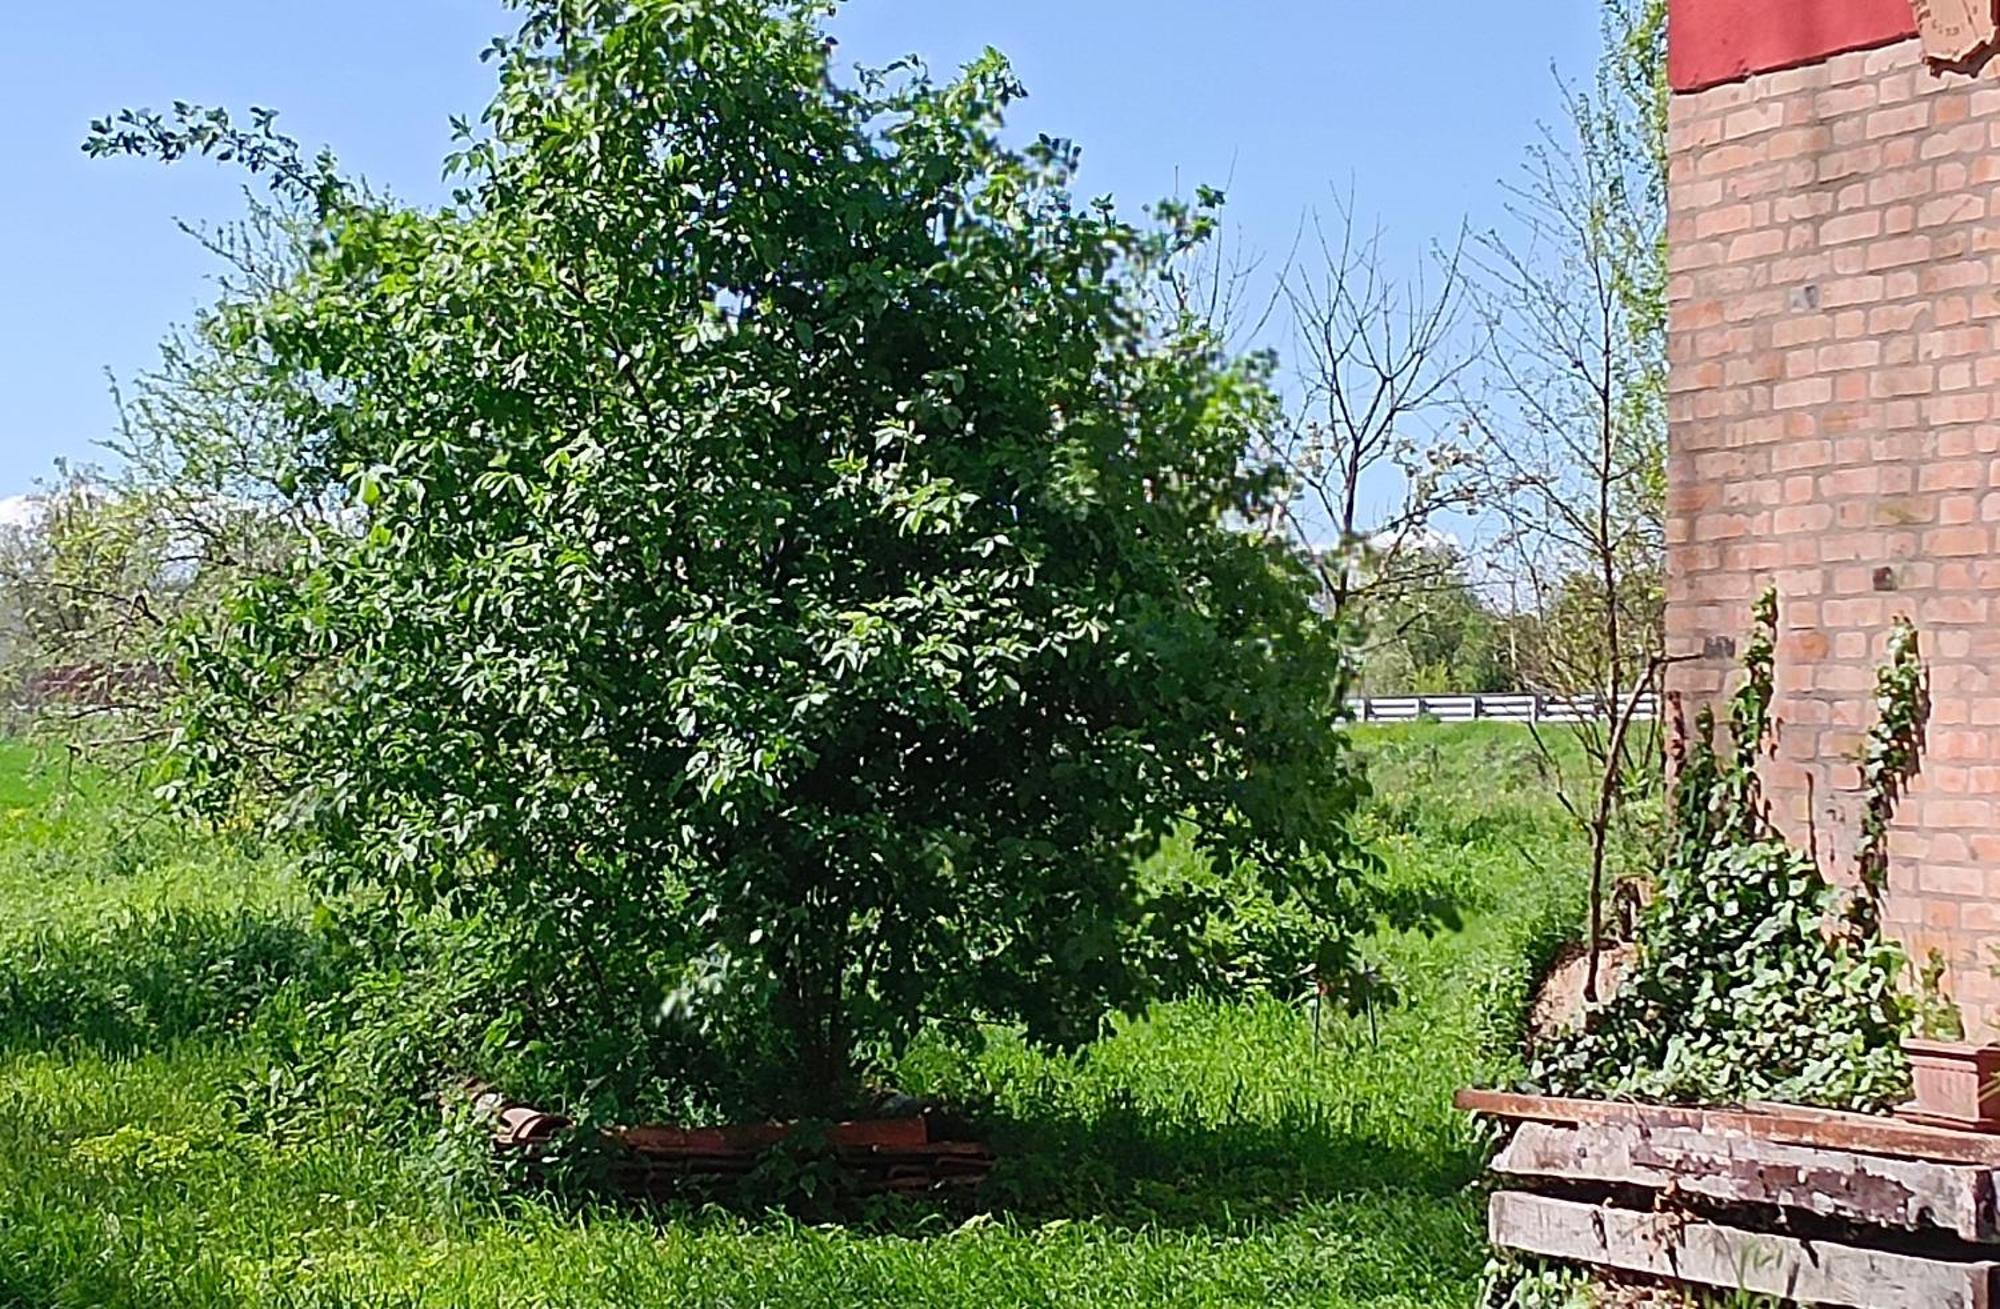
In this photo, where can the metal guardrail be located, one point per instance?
(1497, 708)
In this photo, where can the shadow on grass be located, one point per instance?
(146, 980)
(141, 981)
(1133, 1168)
(1121, 1167)
(73, 1277)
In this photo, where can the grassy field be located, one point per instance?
(1204, 1155)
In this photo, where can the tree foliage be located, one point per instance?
(1431, 632)
(204, 496)
(780, 583)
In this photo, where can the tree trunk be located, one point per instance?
(812, 1013)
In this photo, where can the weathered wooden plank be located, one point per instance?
(1907, 1193)
(1710, 1254)
(1791, 1125)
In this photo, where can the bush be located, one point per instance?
(1757, 979)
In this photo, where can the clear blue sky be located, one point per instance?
(1420, 109)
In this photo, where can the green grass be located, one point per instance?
(1203, 1155)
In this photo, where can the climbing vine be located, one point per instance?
(1891, 753)
(1757, 978)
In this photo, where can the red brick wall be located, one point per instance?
(1835, 431)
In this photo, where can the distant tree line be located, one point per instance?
(1440, 630)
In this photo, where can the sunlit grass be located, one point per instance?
(1205, 1154)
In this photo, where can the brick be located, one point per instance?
(1894, 253)
(1851, 354)
(1722, 221)
(1860, 226)
(1752, 121)
(1834, 412)
(1953, 474)
(1945, 210)
(1808, 391)
(1918, 380)
(1896, 121)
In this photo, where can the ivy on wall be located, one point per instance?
(1890, 756)
(1757, 978)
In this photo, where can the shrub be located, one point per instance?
(1757, 978)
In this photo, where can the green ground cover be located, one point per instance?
(1202, 1155)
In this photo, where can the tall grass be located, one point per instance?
(1203, 1154)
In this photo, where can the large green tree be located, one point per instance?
(784, 571)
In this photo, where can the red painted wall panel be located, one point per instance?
(1714, 41)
